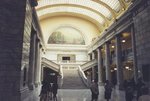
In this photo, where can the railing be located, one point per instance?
(55, 67)
(89, 64)
(82, 75)
(51, 64)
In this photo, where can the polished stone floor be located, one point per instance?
(85, 95)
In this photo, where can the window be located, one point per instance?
(66, 58)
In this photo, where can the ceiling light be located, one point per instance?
(123, 40)
(127, 67)
(112, 46)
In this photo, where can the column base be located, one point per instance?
(100, 83)
(36, 84)
(31, 86)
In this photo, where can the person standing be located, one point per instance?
(44, 91)
(145, 94)
(108, 90)
(129, 90)
(94, 90)
(139, 86)
(54, 91)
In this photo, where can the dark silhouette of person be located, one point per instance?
(44, 90)
(94, 90)
(139, 86)
(145, 94)
(129, 90)
(54, 91)
(108, 90)
(50, 91)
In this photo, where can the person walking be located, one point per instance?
(94, 90)
(108, 90)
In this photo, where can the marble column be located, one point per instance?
(134, 54)
(93, 68)
(99, 53)
(32, 60)
(107, 61)
(36, 62)
(119, 63)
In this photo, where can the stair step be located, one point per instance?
(72, 80)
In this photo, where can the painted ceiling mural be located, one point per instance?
(102, 12)
(66, 35)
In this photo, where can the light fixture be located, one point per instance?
(115, 68)
(127, 67)
(123, 40)
(112, 46)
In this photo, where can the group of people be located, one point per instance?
(131, 89)
(95, 91)
(48, 91)
(139, 89)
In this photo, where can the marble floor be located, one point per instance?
(85, 95)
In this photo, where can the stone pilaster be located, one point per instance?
(36, 62)
(32, 60)
(40, 67)
(93, 68)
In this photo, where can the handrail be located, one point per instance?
(89, 64)
(84, 78)
(50, 63)
(55, 67)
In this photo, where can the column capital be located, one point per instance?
(99, 48)
(107, 42)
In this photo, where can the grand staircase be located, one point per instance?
(72, 80)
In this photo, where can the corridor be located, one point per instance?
(71, 43)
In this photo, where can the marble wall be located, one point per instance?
(142, 34)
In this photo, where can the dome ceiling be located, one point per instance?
(101, 12)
